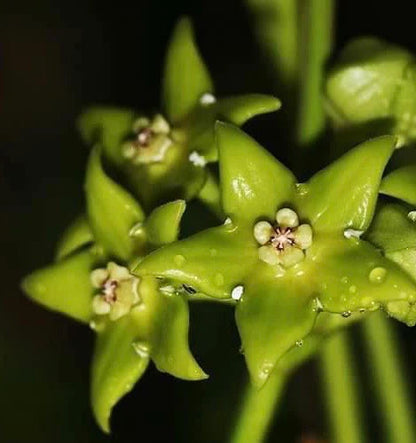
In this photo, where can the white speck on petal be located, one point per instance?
(207, 99)
(237, 292)
(352, 233)
(412, 216)
(197, 159)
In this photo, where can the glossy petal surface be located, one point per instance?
(65, 286)
(273, 314)
(77, 234)
(162, 225)
(401, 184)
(213, 261)
(112, 211)
(353, 180)
(186, 77)
(253, 183)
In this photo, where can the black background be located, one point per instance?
(56, 57)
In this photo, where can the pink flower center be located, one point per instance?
(109, 291)
(283, 237)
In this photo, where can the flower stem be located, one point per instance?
(340, 388)
(257, 410)
(389, 382)
(315, 45)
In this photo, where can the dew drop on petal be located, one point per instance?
(299, 343)
(207, 99)
(412, 216)
(346, 314)
(377, 275)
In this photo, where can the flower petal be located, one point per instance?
(77, 234)
(65, 286)
(116, 367)
(253, 183)
(186, 77)
(112, 211)
(213, 261)
(401, 184)
(354, 180)
(107, 126)
(168, 319)
(162, 225)
(344, 287)
(273, 314)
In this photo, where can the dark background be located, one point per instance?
(56, 57)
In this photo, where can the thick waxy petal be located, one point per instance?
(353, 276)
(107, 126)
(116, 367)
(344, 194)
(111, 210)
(162, 225)
(65, 286)
(253, 183)
(213, 261)
(186, 77)
(75, 236)
(235, 109)
(401, 184)
(392, 229)
(273, 314)
(168, 326)
(240, 108)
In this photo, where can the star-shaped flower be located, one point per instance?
(135, 319)
(288, 251)
(166, 154)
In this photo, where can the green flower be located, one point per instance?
(371, 88)
(288, 251)
(136, 319)
(166, 154)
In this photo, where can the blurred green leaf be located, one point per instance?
(401, 184)
(77, 234)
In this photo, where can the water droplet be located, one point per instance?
(219, 279)
(352, 289)
(228, 221)
(266, 370)
(346, 314)
(237, 292)
(299, 343)
(142, 348)
(197, 159)
(179, 260)
(377, 275)
(412, 216)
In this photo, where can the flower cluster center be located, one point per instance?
(285, 242)
(150, 142)
(116, 291)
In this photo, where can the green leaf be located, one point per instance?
(344, 194)
(112, 211)
(162, 225)
(392, 229)
(401, 184)
(273, 314)
(213, 261)
(168, 331)
(354, 276)
(116, 367)
(253, 183)
(240, 108)
(77, 234)
(186, 77)
(107, 126)
(65, 286)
